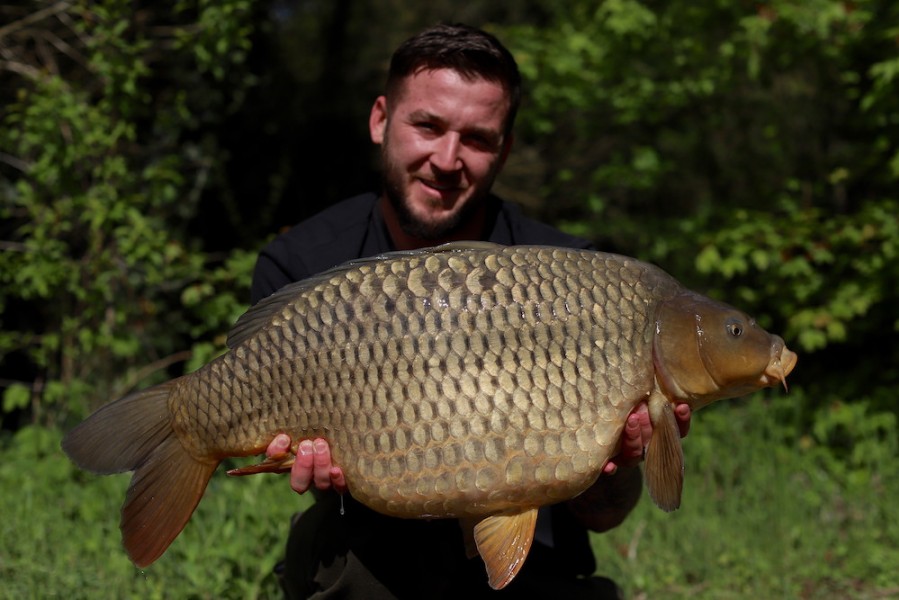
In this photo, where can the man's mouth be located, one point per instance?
(439, 187)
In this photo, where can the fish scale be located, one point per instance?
(470, 380)
(413, 409)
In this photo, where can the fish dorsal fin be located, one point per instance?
(449, 247)
(464, 246)
(503, 542)
(664, 470)
(261, 314)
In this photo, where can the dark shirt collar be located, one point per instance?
(377, 239)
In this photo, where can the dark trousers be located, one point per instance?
(362, 554)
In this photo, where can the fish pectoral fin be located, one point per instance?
(664, 469)
(503, 541)
(277, 463)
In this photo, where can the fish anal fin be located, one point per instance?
(664, 464)
(277, 463)
(503, 541)
(162, 496)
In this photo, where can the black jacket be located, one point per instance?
(355, 228)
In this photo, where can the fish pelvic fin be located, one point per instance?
(664, 468)
(135, 434)
(279, 463)
(503, 541)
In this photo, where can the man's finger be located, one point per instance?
(682, 414)
(642, 415)
(321, 464)
(278, 446)
(301, 471)
(632, 441)
(338, 481)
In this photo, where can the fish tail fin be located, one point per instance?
(135, 434)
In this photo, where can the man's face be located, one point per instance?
(442, 145)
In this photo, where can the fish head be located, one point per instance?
(705, 350)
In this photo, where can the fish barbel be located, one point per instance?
(469, 381)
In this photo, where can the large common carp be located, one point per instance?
(472, 380)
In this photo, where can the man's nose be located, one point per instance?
(446, 156)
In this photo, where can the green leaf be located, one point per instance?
(17, 396)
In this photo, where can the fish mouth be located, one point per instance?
(780, 366)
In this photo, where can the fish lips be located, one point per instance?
(781, 365)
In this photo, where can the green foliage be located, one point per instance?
(852, 442)
(16, 397)
(837, 268)
(99, 249)
(681, 111)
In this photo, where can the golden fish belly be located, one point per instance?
(446, 384)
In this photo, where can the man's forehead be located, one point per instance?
(426, 73)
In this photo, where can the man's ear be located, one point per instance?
(377, 120)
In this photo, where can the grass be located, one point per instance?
(59, 537)
(766, 513)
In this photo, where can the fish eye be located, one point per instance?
(734, 328)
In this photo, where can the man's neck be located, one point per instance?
(472, 230)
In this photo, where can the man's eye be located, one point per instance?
(481, 142)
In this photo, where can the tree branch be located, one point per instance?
(151, 368)
(21, 68)
(34, 18)
(15, 162)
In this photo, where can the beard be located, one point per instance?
(393, 178)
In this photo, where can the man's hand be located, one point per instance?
(312, 465)
(637, 433)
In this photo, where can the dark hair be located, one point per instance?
(469, 51)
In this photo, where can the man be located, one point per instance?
(444, 126)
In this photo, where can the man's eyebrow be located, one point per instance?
(422, 115)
